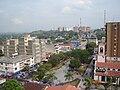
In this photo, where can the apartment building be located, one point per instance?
(11, 47)
(15, 64)
(23, 44)
(108, 58)
(63, 48)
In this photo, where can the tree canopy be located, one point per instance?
(90, 47)
(75, 63)
(12, 85)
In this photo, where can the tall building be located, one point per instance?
(23, 45)
(108, 59)
(113, 41)
(11, 47)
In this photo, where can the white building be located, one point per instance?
(63, 47)
(13, 65)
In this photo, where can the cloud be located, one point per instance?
(17, 20)
(66, 9)
(73, 6)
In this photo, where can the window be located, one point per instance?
(113, 69)
(101, 49)
(6, 68)
(16, 68)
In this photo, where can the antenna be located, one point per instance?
(104, 17)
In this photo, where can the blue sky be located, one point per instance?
(31, 15)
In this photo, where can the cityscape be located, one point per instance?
(51, 50)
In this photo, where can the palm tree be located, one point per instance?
(108, 84)
(68, 76)
(88, 82)
(50, 77)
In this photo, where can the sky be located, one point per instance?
(32, 15)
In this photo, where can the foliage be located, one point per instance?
(88, 82)
(82, 55)
(12, 85)
(56, 59)
(74, 63)
(39, 74)
(99, 33)
(68, 76)
(90, 47)
(47, 66)
(109, 83)
(26, 68)
(50, 78)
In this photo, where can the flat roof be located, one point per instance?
(15, 59)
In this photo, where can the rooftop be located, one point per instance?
(115, 64)
(15, 59)
(65, 87)
(34, 86)
(109, 73)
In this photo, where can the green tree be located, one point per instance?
(75, 63)
(56, 59)
(108, 83)
(68, 76)
(81, 55)
(88, 82)
(90, 47)
(39, 74)
(47, 66)
(12, 85)
(50, 78)
(26, 68)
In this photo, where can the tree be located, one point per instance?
(39, 74)
(75, 63)
(90, 47)
(109, 83)
(88, 82)
(81, 55)
(12, 85)
(50, 78)
(47, 66)
(68, 76)
(26, 68)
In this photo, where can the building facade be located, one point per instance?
(11, 47)
(15, 64)
(107, 64)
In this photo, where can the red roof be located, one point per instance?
(34, 86)
(109, 73)
(1, 78)
(108, 64)
(65, 87)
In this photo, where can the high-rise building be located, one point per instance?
(107, 64)
(113, 41)
(11, 47)
(23, 45)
